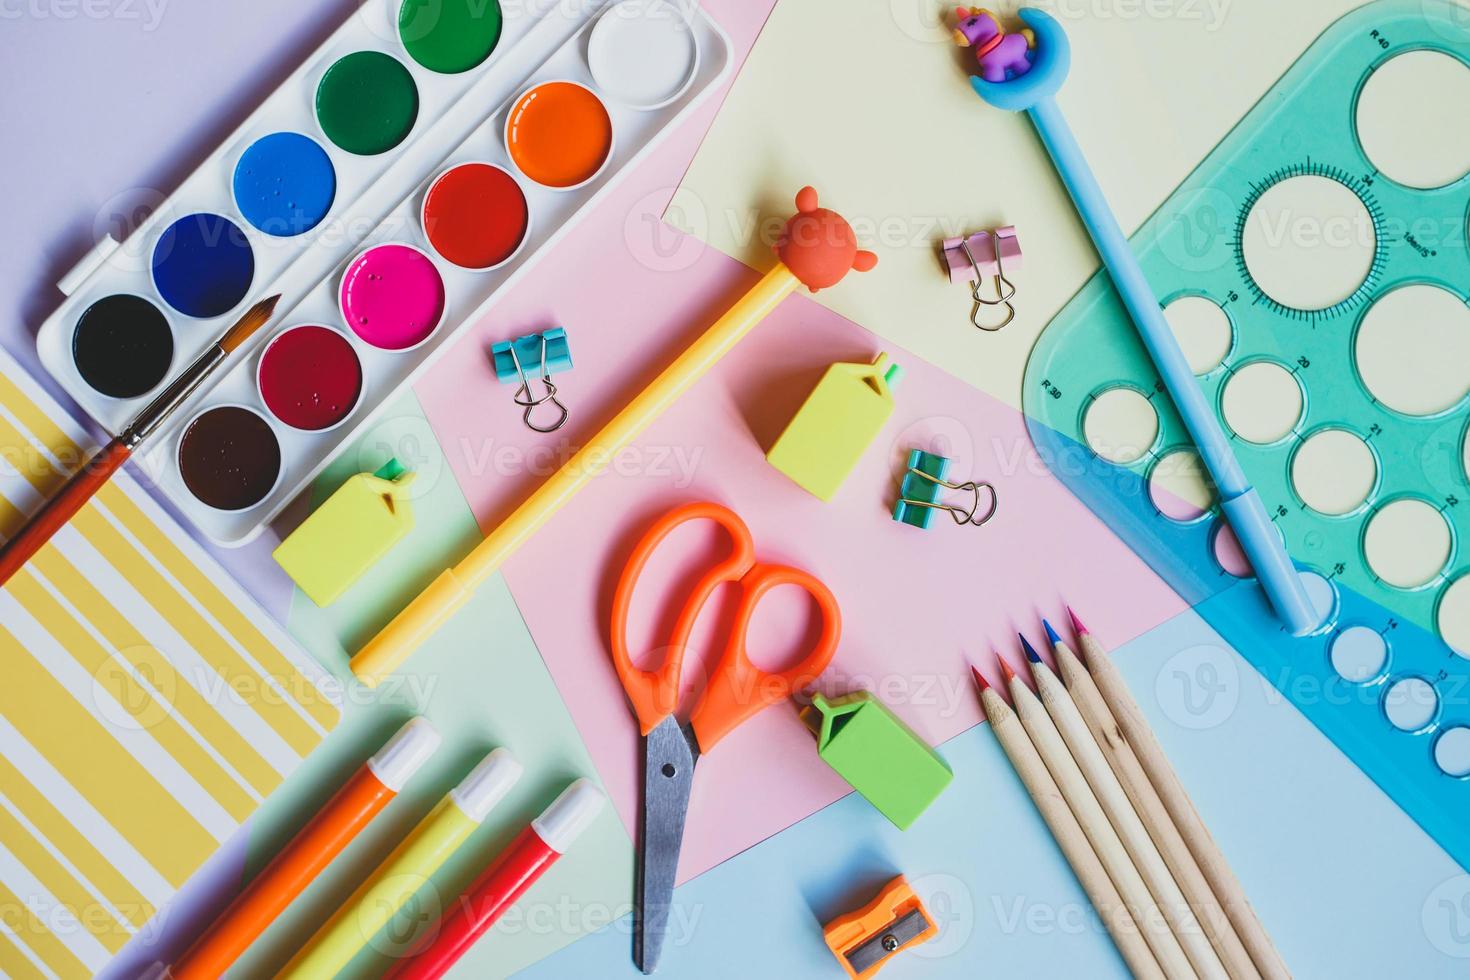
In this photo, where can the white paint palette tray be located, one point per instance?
(136, 313)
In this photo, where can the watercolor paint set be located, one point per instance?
(388, 190)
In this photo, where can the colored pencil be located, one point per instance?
(92, 475)
(404, 872)
(1155, 763)
(334, 826)
(1099, 830)
(513, 871)
(1125, 819)
(1068, 834)
(1150, 809)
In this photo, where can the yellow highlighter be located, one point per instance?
(403, 872)
(817, 248)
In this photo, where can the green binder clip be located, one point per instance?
(918, 494)
(880, 756)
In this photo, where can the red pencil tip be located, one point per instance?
(1005, 670)
(980, 678)
(1076, 623)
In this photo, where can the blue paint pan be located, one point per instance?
(284, 184)
(203, 265)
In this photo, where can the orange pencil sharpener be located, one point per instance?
(866, 939)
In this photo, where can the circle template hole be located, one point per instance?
(1322, 594)
(1465, 453)
(1121, 425)
(1412, 348)
(1334, 472)
(1393, 116)
(1407, 543)
(1410, 704)
(1359, 654)
(1229, 554)
(1179, 487)
(1203, 331)
(1452, 752)
(1454, 616)
(1309, 242)
(1262, 402)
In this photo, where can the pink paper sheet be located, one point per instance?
(916, 604)
(631, 293)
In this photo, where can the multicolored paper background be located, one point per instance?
(1347, 884)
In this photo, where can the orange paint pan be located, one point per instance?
(559, 134)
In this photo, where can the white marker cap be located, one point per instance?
(487, 784)
(404, 753)
(569, 815)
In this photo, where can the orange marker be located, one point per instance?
(864, 940)
(312, 849)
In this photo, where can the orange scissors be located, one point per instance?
(737, 689)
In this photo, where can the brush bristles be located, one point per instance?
(255, 318)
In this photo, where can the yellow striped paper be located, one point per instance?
(147, 706)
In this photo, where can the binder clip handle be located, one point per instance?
(961, 515)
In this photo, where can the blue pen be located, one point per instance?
(1034, 93)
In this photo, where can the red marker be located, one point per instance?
(506, 879)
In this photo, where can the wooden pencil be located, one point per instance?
(1068, 834)
(1094, 822)
(1125, 819)
(1151, 756)
(1150, 809)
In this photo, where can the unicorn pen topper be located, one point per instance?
(1002, 56)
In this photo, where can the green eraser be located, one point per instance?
(839, 420)
(880, 756)
(348, 533)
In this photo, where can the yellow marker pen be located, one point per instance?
(406, 870)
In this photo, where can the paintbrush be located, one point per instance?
(90, 477)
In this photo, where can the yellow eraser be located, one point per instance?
(348, 533)
(839, 420)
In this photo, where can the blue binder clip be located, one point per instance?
(918, 493)
(545, 354)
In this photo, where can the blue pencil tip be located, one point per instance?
(1031, 653)
(1051, 634)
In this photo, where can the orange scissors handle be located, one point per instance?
(737, 688)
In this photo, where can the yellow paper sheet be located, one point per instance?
(868, 101)
(148, 705)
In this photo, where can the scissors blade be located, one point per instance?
(669, 754)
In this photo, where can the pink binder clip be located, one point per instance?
(986, 255)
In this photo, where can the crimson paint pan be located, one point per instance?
(310, 377)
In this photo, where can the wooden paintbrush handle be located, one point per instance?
(56, 512)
